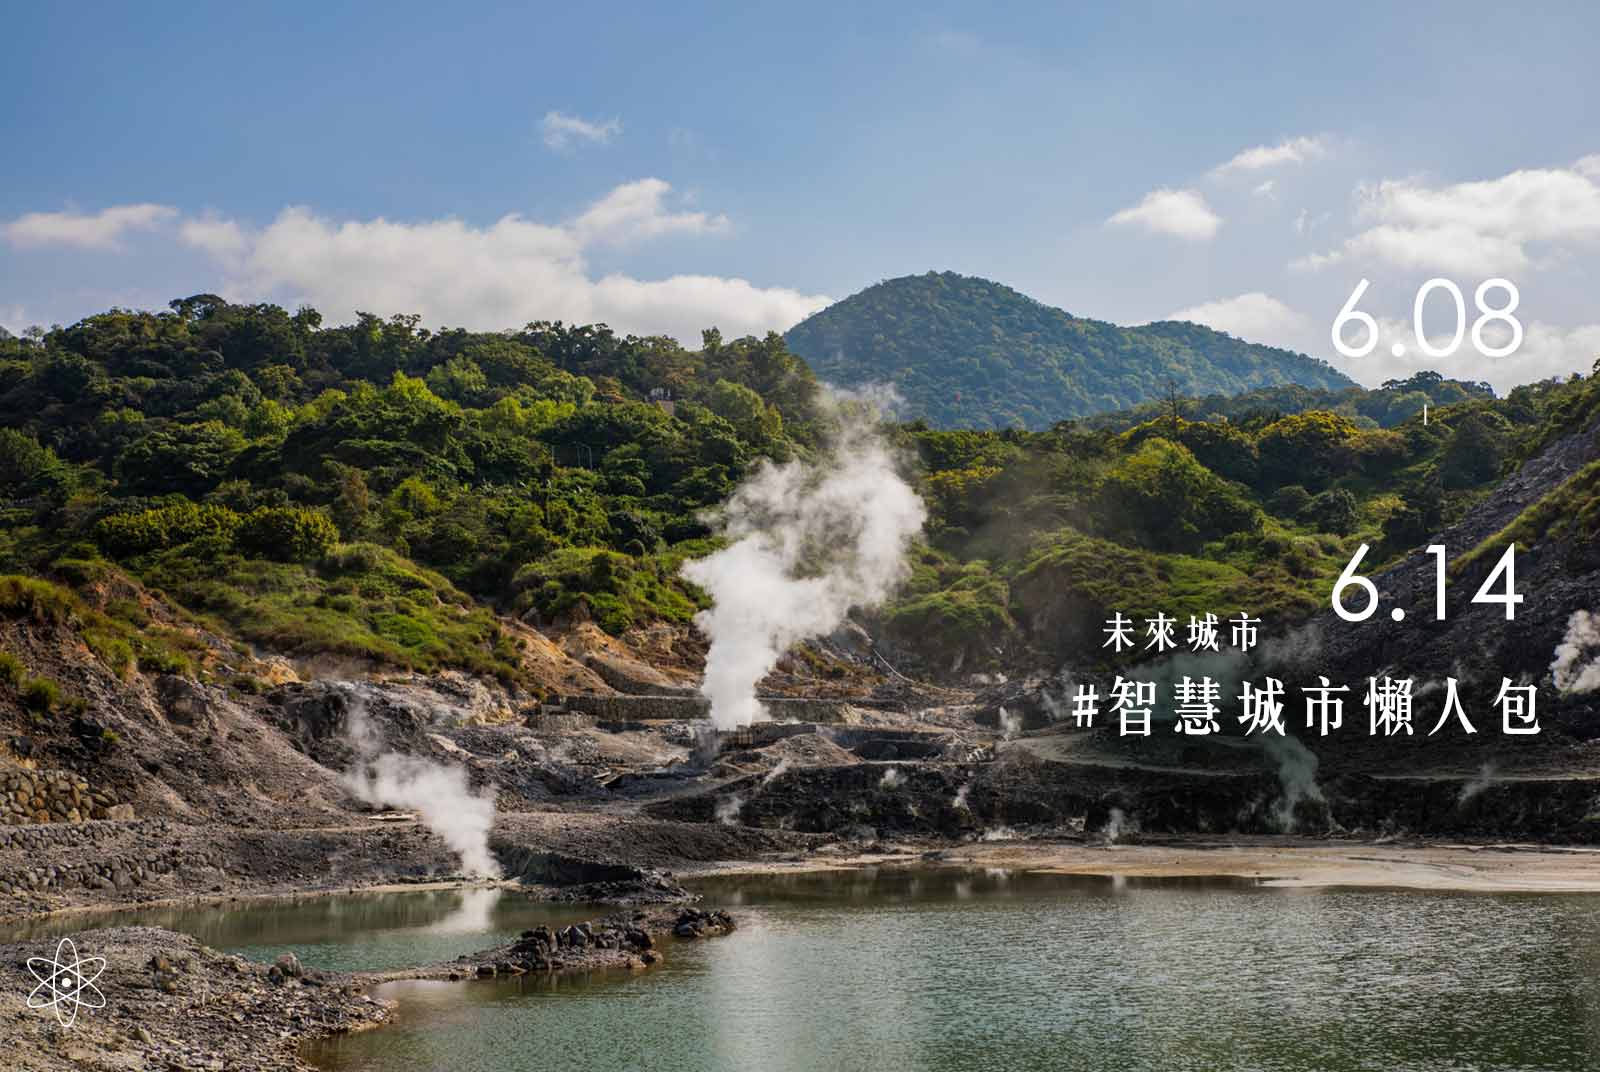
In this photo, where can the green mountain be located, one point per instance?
(968, 352)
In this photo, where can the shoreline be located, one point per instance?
(344, 1002)
(202, 900)
(1286, 862)
(1279, 863)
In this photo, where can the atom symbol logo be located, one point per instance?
(66, 982)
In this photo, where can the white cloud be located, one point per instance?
(1482, 228)
(561, 130)
(498, 276)
(1265, 189)
(102, 230)
(1255, 316)
(1455, 249)
(635, 210)
(1183, 213)
(1290, 151)
(1532, 204)
(219, 237)
(14, 318)
(1546, 351)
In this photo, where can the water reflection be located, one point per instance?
(348, 932)
(946, 970)
(473, 915)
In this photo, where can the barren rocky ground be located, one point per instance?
(162, 1000)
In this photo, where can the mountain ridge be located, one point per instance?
(964, 350)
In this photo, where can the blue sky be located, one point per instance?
(665, 170)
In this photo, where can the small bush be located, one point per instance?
(161, 661)
(403, 629)
(287, 533)
(41, 695)
(81, 571)
(112, 650)
(1290, 501)
(248, 684)
(11, 669)
(130, 611)
(1335, 510)
(355, 558)
(615, 590)
(165, 527)
(41, 601)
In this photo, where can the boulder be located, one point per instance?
(186, 703)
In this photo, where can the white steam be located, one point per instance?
(1486, 777)
(1294, 763)
(1297, 773)
(807, 543)
(438, 794)
(1577, 663)
(960, 801)
(1117, 825)
(728, 809)
(891, 779)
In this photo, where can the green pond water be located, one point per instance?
(344, 932)
(894, 971)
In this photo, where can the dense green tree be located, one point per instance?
(1306, 448)
(187, 458)
(1334, 510)
(1163, 498)
(1474, 453)
(26, 467)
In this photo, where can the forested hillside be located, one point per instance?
(377, 490)
(1384, 407)
(969, 353)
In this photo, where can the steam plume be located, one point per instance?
(807, 543)
(1297, 773)
(438, 794)
(1577, 663)
(728, 809)
(1486, 777)
(1295, 764)
(1117, 824)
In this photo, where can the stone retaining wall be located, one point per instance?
(54, 796)
(761, 734)
(808, 709)
(559, 721)
(119, 870)
(632, 708)
(682, 708)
